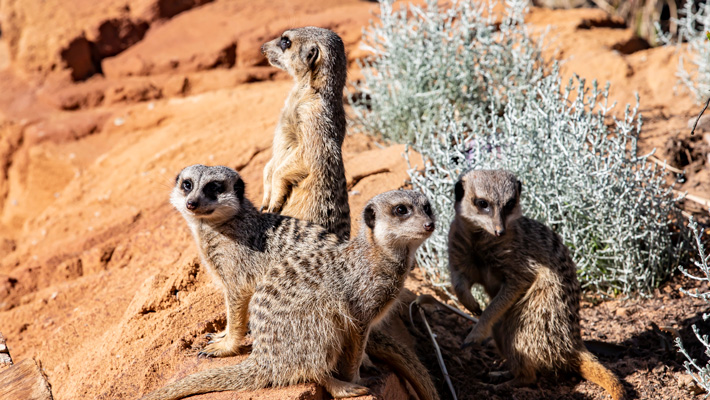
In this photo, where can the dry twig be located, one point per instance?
(439, 357)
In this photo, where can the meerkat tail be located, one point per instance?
(243, 376)
(593, 371)
(403, 360)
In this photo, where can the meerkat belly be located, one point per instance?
(540, 331)
(305, 200)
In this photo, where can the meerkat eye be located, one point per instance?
(212, 189)
(401, 210)
(480, 203)
(186, 185)
(427, 209)
(510, 205)
(285, 43)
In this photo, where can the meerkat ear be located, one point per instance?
(458, 190)
(520, 188)
(369, 216)
(239, 188)
(311, 56)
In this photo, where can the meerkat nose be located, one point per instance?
(500, 231)
(429, 226)
(191, 205)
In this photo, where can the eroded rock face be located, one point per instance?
(45, 36)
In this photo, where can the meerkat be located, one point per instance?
(305, 177)
(312, 298)
(530, 277)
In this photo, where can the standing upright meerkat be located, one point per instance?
(305, 177)
(527, 271)
(317, 298)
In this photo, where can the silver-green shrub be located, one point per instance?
(580, 167)
(700, 373)
(581, 177)
(693, 24)
(426, 58)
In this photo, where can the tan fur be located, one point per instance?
(312, 298)
(529, 275)
(305, 177)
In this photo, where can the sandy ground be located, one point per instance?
(99, 277)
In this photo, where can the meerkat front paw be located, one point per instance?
(477, 335)
(265, 204)
(274, 207)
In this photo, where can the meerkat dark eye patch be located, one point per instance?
(186, 185)
(213, 189)
(427, 209)
(285, 43)
(239, 189)
(509, 206)
(480, 203)
(400, 210)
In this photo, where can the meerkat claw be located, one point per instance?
(215, 336)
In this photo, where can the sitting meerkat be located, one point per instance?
(305, 177)
(527, 271)
(312, 298)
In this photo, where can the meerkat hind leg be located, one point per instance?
(340, 389)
